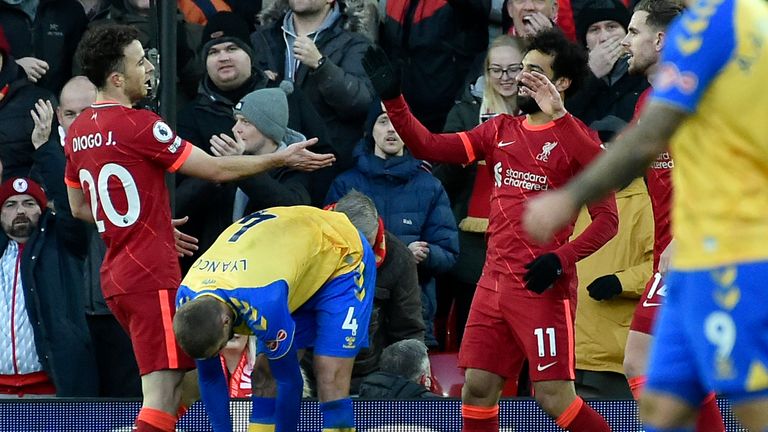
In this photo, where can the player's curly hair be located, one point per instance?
(660, 12)
(570, 59)
(198, 326)
(100, 51)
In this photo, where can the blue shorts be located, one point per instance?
(712, 335)
(335, 320)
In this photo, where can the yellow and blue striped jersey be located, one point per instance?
(714, 65)
(269, 263)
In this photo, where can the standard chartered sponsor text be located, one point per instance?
(525, 180)
(663, 161)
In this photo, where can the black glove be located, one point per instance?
(605, 287)
(542, 272)
(383, 75)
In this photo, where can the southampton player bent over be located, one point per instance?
(295, 277)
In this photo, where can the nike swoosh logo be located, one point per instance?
(648, 304)
(504, 144)
(540, 368)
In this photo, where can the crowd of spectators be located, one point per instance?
(254, 78)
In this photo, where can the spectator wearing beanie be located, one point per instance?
(41, 281)
(607, 100)
(412, 203)
(227, 57)
(259, 125)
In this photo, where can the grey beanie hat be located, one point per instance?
(267, 110)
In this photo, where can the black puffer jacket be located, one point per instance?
(15, 121)
(339, 89)
(437, 42)
(51, 37)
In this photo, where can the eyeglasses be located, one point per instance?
(511, 71)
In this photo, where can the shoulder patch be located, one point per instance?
(162, 131)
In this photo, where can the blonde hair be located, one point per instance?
(493, 102)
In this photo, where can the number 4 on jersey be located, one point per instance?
(350, 322)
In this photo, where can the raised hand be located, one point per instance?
(383, 75)
(297, 156)
(535, 23)
(33, 67)
(225, 145)
(306, 52)
(539, 87)
(420, 250)
(604, 55)
(42, 115)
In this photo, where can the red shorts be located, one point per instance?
(648, 305)
(504, 329)
(147, 317)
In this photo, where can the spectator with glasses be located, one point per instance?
(469, 187)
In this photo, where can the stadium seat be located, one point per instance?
(446, 371)
(450, 377)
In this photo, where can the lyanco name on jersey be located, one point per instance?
(221, 266)
(85, 142)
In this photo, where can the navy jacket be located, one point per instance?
(52, 278)
(410, 200)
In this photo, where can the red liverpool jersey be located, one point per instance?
(119, 157)
(659, 179)
(524, 160)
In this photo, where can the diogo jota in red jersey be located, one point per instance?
(526, 296)
(117, 158)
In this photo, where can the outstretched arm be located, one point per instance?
(423, 144)
(228, 168)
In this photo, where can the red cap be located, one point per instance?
(23, 186)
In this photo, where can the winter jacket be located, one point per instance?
(396, 311)
(597, 99)
(436, 42)
(410, 200)
(52, 278)
(16, 123)
(602, 326)
(384, 385)
(339, 89)
(210, 113)
(52, 37)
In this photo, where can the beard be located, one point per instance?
(21, 227)
(527, 104)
